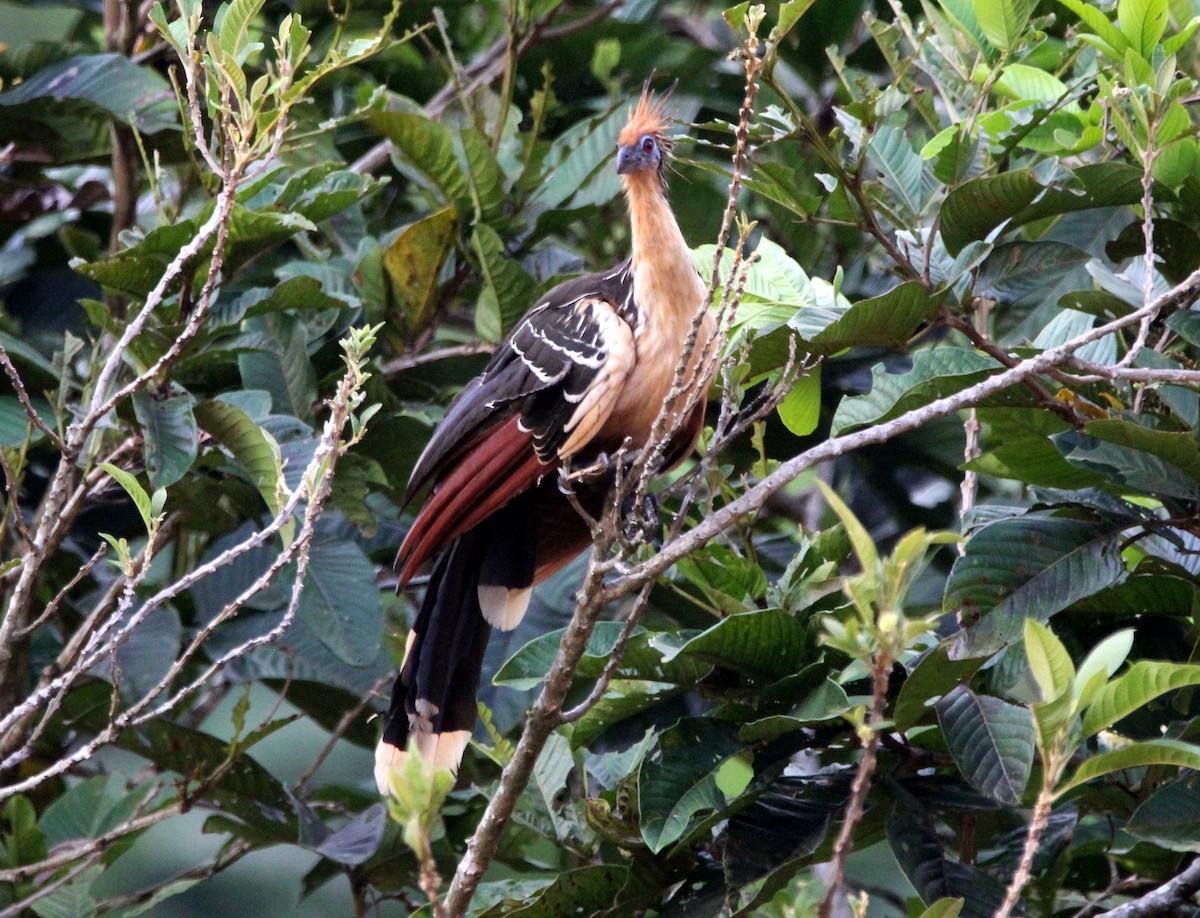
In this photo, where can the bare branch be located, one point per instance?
(1179, 891)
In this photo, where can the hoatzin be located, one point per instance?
(585, 372)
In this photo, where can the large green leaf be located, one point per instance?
(1135, 755)
(1027, 567)
(508, 291)
(1155, 462)
(169, 434)
(991, 741)
(14, 422)
(1144, 681)
(888, 320)
(935, 373)
(769, 644)
(933, 676)
(584, 891)
(1168, 817)
(1142, 22)
(922, 857)
(824, 702)
(246, 789)
(427, 146)
(614, 708)
(90, 809)
(976, 208)
(1099, 23)
(901, 168)
(111, 83)
(414, 261)
(678, 783)
(340, 603)
(280, 363)
(1019, 447)
(526, 668)
(1003, 21)
(254, 448)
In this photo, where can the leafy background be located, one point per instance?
(939, 190)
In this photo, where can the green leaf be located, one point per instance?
(135, 490)
(944, 908)
(508, 289)
(1143, 23)
(991, 741)
(613, 709)
(109, 83)
(800, 411)
(429, 147)
(975, 209)
(935, 675)
(1135, 755)
(1142, 683)
(1106, 658)
(233, 25)
(584, 891)
(414, 261)
(1168, 817)
(826, 701)
(901, 168)
(864, 545)
(484, 175)
(1021, 449)
(922, 857)
(356, 841)
(90, 809)
(14, 422)
(526, 668)
(770, 644)
(888, 320)
(340, 603)
(1095, 20)
(678, 782)
(279, 364)
(1155, 462)
(935, 373)
(1003, 21)
(245, 788)
(1048, 661)
(1028, 567)
(169, 434)
(71, 900)
(254, 448)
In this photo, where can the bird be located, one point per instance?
(582, 375)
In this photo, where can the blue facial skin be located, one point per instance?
(638, 157)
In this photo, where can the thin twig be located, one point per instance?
(1033, 838)
(881, 668)
(398, 365)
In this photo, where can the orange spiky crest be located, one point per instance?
(649, 117)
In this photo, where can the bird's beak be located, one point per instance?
(630, 159)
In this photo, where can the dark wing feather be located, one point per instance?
(541, 371)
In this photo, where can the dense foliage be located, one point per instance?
(928, 593)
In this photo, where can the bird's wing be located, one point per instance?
(544, 396)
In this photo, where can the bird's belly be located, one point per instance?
(648, 387)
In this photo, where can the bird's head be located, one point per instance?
(643, 144)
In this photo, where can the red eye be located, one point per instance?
(647, 145)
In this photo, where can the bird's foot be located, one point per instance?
(603, 466)
(639, 518)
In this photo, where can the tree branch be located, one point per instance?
(1160, 901)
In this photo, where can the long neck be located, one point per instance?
(665, 278)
